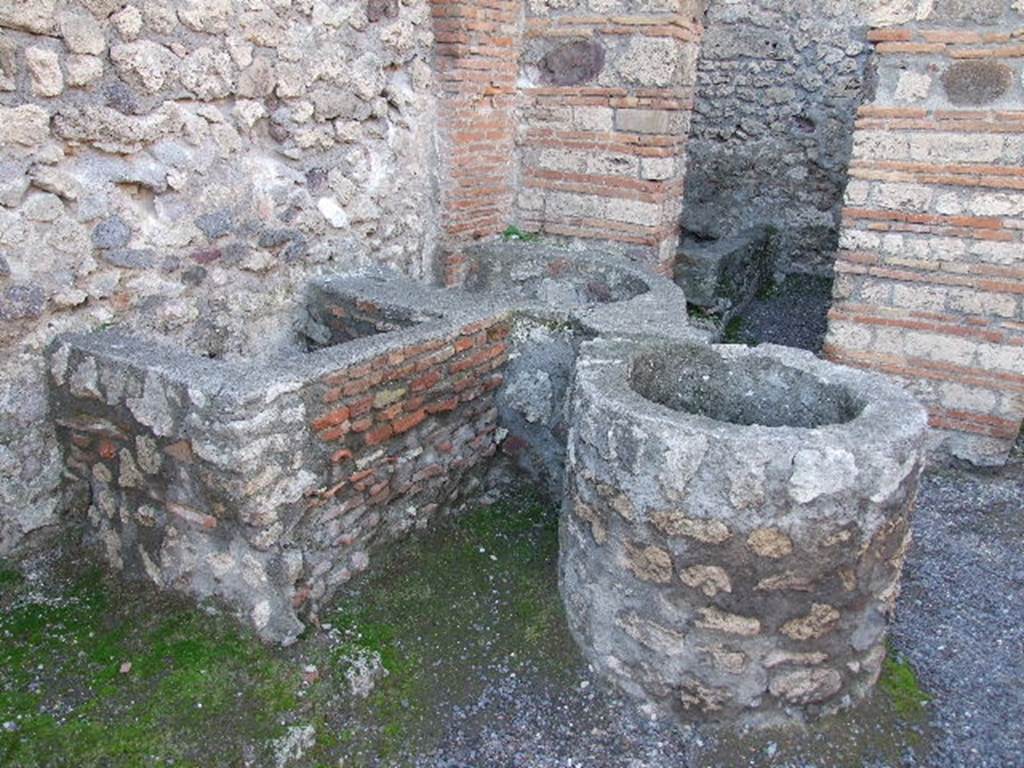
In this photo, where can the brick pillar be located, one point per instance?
(605, 110)
(477, 51)
(930, 275)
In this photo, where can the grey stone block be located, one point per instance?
(131, 258)
(976, 83)
(573, 63)
(22, 302)
(111, 233)
(216, 224)
(725, 273)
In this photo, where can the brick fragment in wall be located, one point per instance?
(573, 63)
(929, 275)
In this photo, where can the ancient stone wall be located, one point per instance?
(778, 86)
(930, 275)
(183, 168)
(605, 101)
(267, 483)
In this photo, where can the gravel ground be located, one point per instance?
(504, 687)
(520, 723)
(793, 314)
(960, 622)
(961, 615)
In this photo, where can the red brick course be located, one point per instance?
(416, 420)
(477, 55)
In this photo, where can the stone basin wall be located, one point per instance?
(569, 294)
(265, 487)
(735, 526)
(266, 484)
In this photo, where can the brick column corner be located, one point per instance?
(604, 112)
(930, 274)
(476, 55)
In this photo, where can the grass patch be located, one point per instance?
(9, 577)
(68, 697)
(514, 233)
(899, 682)
(696, 312)
(769, 289)
(734, 332)
(479, 592)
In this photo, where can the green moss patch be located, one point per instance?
(93, 676)
(900, 684)
(96, 671)
(513, 232)
(10, 577)
(443, 612)
(735, 332)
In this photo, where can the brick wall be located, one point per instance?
(930, 275)
(401, 430)
(476, 56)
(604, 114)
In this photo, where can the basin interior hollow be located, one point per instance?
(745, 391)
(349, 318)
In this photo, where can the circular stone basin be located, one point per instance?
(735, 526)
(748, 391)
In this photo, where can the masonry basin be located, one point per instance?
(554, 276)
(735, 527)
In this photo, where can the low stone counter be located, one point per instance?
(736, 523)
(267, 483)
(565, 294)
